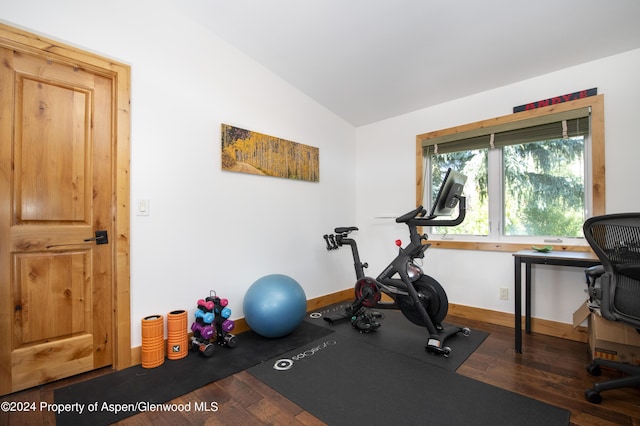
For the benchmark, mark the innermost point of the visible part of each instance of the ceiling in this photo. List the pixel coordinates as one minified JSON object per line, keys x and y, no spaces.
{"x":369,"y":60}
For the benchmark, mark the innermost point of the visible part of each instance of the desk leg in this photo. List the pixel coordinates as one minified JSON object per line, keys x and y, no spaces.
{"x":527,"y":298}
{"x":517,"y":294}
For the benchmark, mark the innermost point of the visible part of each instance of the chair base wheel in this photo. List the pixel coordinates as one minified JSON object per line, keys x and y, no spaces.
{"x":593,"y":396}
{"x":594,"y":370}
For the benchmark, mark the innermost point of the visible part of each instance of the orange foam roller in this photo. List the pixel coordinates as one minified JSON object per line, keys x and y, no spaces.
{"x":152,"y":341}
{"x":177,"y":339}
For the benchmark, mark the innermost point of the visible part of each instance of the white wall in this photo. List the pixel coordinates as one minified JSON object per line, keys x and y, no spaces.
{"x":208,"y":229}
{"x":385,"y":183}
{"x":216,"y":230}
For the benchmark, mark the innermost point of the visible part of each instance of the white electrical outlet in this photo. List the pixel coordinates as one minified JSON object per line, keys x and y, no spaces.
{"x":504,"y":293}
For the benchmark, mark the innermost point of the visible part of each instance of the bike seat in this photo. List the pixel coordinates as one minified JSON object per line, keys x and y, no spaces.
{"x":345,"y":229}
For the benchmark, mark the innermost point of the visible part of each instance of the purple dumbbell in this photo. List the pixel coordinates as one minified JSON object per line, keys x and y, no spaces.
{"x":205,"y":331}
{"x":228,"y":325}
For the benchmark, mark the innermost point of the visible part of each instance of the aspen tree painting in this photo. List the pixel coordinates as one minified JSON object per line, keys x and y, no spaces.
{"x":245,"y":151}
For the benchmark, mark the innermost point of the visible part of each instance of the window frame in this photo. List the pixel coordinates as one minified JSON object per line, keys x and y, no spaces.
{"x":597,"y":178}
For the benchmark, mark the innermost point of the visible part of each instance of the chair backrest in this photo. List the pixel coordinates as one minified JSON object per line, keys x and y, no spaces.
{"x":615,"y":239}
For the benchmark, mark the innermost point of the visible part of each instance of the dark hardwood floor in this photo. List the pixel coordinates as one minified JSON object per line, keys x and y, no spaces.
{"x":550,"y":369}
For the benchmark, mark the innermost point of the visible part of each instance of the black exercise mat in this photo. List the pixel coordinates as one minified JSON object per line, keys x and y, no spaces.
{"x":398,"y":334}
{"x":137,"y":385}
{"x":346,"y":381}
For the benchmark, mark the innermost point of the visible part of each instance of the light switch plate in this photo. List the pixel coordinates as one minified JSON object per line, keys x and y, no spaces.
{"x":142,"y":207}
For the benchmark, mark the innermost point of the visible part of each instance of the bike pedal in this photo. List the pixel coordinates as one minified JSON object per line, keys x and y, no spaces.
{"x":434,"y":343}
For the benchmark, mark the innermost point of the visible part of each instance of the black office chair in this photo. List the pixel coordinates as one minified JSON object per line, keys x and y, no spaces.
{"x":614,"y":287}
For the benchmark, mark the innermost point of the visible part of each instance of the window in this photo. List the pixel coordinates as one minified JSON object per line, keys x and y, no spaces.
{"x":533,"y":177}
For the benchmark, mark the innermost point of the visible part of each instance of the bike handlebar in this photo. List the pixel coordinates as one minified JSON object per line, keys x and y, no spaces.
{"x":411,"y":215}
{"x":416,"y":217}
{"x":413,"y":219}
{"x":432,"y":221}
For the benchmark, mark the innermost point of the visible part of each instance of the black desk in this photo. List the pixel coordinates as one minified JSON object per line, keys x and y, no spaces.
{"x":528,"y":257}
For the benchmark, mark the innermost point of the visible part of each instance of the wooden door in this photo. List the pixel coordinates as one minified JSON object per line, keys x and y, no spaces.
{"x":57,"y":135}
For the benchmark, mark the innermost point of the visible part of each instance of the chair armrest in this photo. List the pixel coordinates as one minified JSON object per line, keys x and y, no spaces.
{"x":595,"y":271}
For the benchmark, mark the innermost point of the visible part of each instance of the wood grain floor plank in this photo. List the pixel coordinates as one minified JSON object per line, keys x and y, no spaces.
{"x":550,"y":369}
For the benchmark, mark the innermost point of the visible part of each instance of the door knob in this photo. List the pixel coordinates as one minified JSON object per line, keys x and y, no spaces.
{"x":100,"y":238}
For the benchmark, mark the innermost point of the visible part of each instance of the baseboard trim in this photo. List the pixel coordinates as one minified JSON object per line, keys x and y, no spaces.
{"x":541,"y":326}
{"x":242,"y":326}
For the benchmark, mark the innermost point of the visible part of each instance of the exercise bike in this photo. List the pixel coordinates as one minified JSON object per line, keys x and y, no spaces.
{"x":419,"y":297}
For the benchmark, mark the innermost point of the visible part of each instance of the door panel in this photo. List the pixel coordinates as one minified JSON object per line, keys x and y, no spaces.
{"x":52,"y":183}
{"x":60,"y":192}
{"x":57,"y":311}
{"x":49,"y":361}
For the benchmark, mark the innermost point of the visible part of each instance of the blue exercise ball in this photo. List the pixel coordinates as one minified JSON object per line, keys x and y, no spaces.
{"x":274,"y":305}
